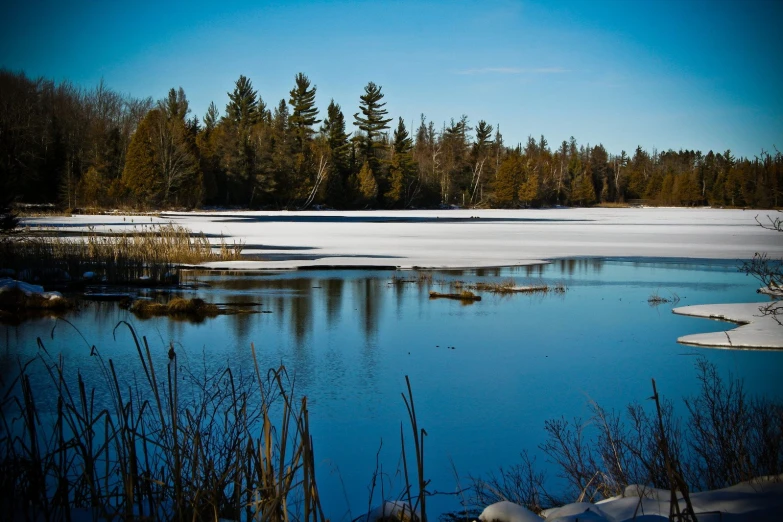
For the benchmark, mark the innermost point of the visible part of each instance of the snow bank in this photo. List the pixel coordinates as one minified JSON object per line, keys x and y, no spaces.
{"x":460,"y":238}
{"x":397,"y":510}
{"x":576,"y":511}
{"x":29,"y":290}
{"x":506,"y":511}
{"x":756,"y":331}
{"x":759,"y":500}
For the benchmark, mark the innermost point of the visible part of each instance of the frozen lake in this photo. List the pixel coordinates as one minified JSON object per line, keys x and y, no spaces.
{"x":485,"y":375}
{"x":462,"y":238}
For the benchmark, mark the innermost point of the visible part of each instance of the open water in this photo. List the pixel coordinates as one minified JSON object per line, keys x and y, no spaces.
{"x":485,"y":375}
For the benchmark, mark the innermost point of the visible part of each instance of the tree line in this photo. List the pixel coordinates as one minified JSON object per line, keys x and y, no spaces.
{"x":99,"y":148}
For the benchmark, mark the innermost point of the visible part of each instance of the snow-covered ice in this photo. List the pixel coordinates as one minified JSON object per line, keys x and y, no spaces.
{"x":461,"y":238}
{"x":756,"y":329}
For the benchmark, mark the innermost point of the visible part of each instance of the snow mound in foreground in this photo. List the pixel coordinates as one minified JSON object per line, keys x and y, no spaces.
{"x":576,"y":511}
{"x":393,"y":510}
{"x":11,"y":285}
{"x":506,"y":511}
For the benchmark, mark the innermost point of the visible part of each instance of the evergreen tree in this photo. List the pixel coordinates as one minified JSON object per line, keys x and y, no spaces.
{"x":211,"y":118}
{"x":372,"y":122}
{"x":244,"y":106}
{"x":507,"y":181}
{"x":529,"y":189}
{"x":402,"y":143}
{"x":402,"y":171}
{"x":333,"y":129}
{"x":140,"y":175}
{"x":304,"y":111}
{"x":176,"y":105}
{"x":483,"y":137}
{"x":456,"y":169}
{"x":368,"y":187}
{"x":583,"y":192}
{"x":282,"y":153}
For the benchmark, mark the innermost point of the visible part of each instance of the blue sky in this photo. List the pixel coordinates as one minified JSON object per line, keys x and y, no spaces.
{"x":695,"y":74}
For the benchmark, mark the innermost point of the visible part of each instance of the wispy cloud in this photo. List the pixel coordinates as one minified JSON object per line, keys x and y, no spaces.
{"x":513,"y":70}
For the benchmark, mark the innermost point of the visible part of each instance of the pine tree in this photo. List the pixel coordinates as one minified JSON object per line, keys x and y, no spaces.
{"x":373,"y":121}
{"x":282,"y":153}
{"x":304,"y":111}
{"x":483,"y":137}
{"x":402,"y":142}
{"x":176,"y":105}
{"x":211,"y":118}
{"x":402,"y":171}
{"x":333,"y":129}
{"x":244,"y":106}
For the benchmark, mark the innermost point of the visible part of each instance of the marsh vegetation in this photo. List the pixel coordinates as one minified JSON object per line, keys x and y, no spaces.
{"x":149,"y":254}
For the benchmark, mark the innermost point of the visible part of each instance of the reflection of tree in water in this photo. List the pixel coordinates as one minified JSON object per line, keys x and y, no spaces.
{"x":104,"y":314}
{"x":301,"y":310}
{"x":488,"y":272}
{"x":241,"y":324}
{"x":583,"y":265}
{"x":534,"y":271}
{"x":367,"y":296}
{"x":334,"y":299}
{"x":399,"y":295}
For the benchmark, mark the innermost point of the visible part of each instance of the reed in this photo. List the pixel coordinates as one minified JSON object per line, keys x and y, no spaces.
{"x":174,"y":445}
{"x":150,"y":254}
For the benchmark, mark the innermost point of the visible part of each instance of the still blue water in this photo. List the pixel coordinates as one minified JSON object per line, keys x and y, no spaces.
{"x":485,"y":375}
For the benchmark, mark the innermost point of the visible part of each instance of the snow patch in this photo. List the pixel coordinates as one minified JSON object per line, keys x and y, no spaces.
{"x":29,"y":290}
{"x":756,"y":329}
{"x":396,"y":509}
{"x":506,"y":511}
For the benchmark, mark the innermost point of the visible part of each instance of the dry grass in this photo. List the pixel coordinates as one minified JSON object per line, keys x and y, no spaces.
{"x":420,"y":278}
{"x":178,"y":306}
{"x":510,"y":287}
{"x":465,"y":295}
{"x":656,"y":299}
{"x":173,"y":444}
{"x":15,"y":299}
{"x":16,"y":306}
{"x":149,"y":254}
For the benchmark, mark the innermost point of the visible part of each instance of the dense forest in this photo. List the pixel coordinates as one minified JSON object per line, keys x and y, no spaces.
{"x":97,"y":148}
